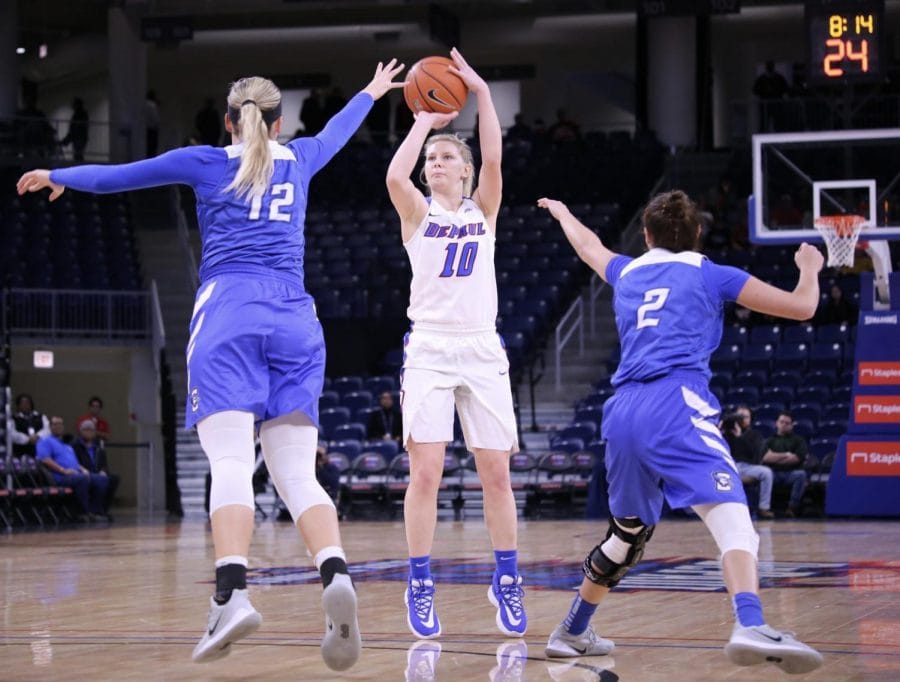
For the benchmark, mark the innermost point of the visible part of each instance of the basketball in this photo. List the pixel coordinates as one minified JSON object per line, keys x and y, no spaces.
{"x":431,"y":86}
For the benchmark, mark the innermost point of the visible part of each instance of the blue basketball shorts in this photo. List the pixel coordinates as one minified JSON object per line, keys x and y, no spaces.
{"x":663,"y":440}
{"x":255,"y":345}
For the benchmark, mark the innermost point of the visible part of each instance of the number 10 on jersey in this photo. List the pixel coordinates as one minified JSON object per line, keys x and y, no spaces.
{"x":466,"y":259}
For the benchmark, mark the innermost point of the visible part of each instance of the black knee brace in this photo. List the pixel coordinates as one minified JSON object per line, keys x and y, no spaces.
{"x":610,"y":572}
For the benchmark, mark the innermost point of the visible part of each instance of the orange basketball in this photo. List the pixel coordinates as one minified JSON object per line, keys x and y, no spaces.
{"x":431,"y":86}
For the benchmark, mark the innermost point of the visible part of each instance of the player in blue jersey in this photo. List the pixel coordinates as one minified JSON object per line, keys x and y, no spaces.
{"x":661,"y":424}
{"x":256,"y":355}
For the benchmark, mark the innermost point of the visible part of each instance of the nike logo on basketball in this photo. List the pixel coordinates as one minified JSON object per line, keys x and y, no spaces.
{"x":432,"y":95}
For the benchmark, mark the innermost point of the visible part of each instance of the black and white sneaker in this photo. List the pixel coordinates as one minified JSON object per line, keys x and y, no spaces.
{"x":564,"y":645}
{"x":227,"y":623}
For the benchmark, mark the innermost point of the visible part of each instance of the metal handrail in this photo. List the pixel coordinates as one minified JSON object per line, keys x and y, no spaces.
{"x":561,"y":336}
{"x":185,"y":239}
{"x":159,"y":326}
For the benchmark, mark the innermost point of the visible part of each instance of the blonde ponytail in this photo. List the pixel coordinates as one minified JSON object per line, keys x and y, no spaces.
{"x":253,"y":105}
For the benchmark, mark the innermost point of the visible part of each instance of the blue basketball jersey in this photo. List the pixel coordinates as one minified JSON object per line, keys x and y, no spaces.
{"x":669,"y":309}
{"x":262,"y":236}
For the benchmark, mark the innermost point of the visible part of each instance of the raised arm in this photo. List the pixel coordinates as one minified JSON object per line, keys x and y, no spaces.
{"x":799,"y":304}
{"x":490,"y":179}
{"x":407,"y":199}
{"x":585,"y":242}
{"x":319,"y":150}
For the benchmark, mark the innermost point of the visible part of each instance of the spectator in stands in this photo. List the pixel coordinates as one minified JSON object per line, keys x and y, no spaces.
{"x":519,"y":130}
{"x":747,"y":456}
{"x":564,"y":129}
{"x":78,"y":130}
{"x":151,"y":123}
{"x":386,"y":423}
{"x":95,"y":407}
{"x":92,"y":457}
{"x":453,"y":354}
{"x":771,"y":88}
{"x":786,"y":453}
{"x":62,"y":462}
{"x":837,"y":308}
{"x":208,"y":124}
{"x":327,"y":474}
{"x":669,"y":307}
{"x":256,"y":354}
{"x":36,"y":135}
{"x":30,"y":427}
{"x":312,"y":113}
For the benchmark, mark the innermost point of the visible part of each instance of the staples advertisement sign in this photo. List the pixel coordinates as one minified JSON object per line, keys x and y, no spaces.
{"x":876,"y":409}
{"x":878,"y":373}
{"x":873,"y":458}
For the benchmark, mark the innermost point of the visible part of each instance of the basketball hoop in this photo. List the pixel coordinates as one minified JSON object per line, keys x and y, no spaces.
{"x":840,"y":233}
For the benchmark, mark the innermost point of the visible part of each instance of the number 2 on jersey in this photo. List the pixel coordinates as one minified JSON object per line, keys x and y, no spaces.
{"x":466,"y":259}
{"x":654,"y":299}
{"x":282,"y":195}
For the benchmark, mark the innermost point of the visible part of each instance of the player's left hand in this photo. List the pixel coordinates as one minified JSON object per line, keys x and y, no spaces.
{"x":36,"y":180}
{"x":383,"y":80}
{"x":473,"y":81}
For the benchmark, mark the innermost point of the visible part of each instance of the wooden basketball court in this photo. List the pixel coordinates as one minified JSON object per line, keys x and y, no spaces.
{"x":129,"y":602}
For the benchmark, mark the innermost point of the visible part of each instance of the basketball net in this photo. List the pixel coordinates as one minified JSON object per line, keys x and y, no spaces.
{"x":840,"y":233}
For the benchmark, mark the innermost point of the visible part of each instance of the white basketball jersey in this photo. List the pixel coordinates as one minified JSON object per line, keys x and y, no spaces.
{"x":454,"y":285}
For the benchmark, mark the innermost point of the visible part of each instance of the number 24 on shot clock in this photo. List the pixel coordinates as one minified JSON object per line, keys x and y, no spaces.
{"x":844,"y":40}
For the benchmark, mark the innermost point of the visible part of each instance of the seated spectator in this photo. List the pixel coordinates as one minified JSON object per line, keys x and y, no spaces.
{"x":519,"y":130}
{"x":837,"y":309}
{"x":29,"y":427}
{"x":62,"y":462}
{"x":565,"y":129}
{"x":746,"y":449}
{"x":786,"y":453}
{"x":95,"y":405}
{"x":327,"y":474}
{"x":92,"y":456}
{"x":386,"y":423}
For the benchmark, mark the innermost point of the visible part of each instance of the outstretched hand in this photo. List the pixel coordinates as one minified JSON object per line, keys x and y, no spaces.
{"x":36,"y":180}
{"x":809,"y":257}
{"x":461,"y":68}
{"x":383,"y":80}
{"x":436,"y":120}
{"x":557,"y":208}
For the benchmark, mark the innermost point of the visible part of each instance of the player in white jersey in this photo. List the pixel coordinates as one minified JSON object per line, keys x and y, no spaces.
{"x":453,"y":354}
{"x":661,"y":426}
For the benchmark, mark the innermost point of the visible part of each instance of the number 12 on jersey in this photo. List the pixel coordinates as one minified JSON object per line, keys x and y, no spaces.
{"x":654,"y":299}
{"x":466,"y":259}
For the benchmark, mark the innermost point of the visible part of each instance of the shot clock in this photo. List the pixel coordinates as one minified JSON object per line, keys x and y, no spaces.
{"x":844,"y":40}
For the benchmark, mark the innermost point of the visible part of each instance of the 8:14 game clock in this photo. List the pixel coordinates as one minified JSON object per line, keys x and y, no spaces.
{"x":844,"y":40}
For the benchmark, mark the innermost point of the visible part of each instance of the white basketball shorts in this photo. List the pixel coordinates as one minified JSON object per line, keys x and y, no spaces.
{"x":469,"y":370}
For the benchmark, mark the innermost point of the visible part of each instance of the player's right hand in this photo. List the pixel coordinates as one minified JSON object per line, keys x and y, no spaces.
{"x":557,"y":208}
{"x":36,"y":180}
{"x":435,"y":120}
{"x":808,"y":257}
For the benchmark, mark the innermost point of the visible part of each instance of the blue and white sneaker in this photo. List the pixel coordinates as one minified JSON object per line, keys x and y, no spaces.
{"x":507,"y":595}
{"x":511,"y":660}
{"x":420,"y":616}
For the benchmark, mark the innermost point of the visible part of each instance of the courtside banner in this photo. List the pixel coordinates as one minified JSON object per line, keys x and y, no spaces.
{"x":878,"y":373}
{"x":876,"y":409}
{"x":873,"y":458}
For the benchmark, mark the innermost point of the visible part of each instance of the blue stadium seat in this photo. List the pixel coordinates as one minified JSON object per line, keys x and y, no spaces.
{"x":569,"y":445}
{"x":820,"y":447}
{"x":836,"y":412}
{"x":807,"y":411}
{"x":826,"y":354}
{"x":387,"y":448}
{"x":791,"y":356}
{"x":805,"y":428}
{"x":786,"y":377}
{"x":764,"y":428}
{"x":757,"y":356}
{"x":363,"y":414}
{"x":766,"y":334}
{"x":348,"y":431}
{"x":350,"y":448}
{"x":833,"y":333}
{"x":594,"y":415}
{"x":767,"y":413}
{"x":832,"y":429}
{"x":585,"y":431}
{"x":378,"y":385}
{"x":822,"y":376}
{"x":800,"y":333}
{"x":344,"y":385}
{"x":812,"y":394}
{"x":328,"y":399}
{"x":720,"y":381}
{"x":841,"y":394}
{"x":746,"y":395}
{"x":356,"y":400}
{"x":777,"y":394}
{"x":331,"y":418}
{"x":734,"y":335}
{"x":725,"y":358}
{"x":753,"y":378}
